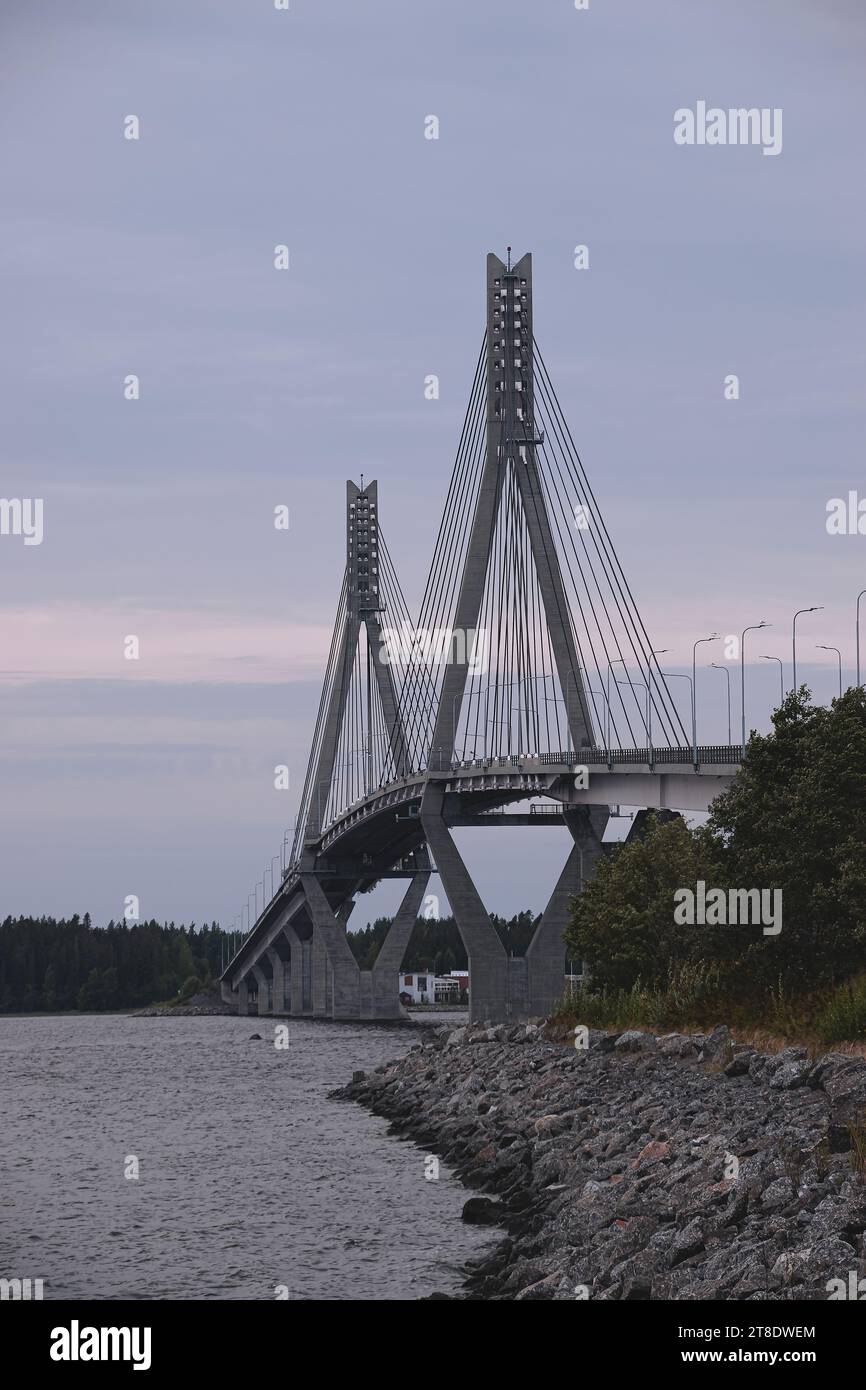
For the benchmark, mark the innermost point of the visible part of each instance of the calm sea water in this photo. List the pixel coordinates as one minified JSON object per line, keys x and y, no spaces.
{"x":250,"y":1178}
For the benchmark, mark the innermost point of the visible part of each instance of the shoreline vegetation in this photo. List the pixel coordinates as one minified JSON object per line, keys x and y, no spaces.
{"x":791,"y":829}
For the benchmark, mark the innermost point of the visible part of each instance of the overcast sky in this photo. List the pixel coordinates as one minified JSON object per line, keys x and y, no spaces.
{"x":258,"y":387}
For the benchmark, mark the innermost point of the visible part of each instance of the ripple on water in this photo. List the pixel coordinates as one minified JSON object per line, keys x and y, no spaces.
{"x":250,"y":1178}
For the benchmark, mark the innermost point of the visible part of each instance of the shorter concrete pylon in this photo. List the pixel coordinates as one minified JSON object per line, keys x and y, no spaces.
{"x":262,"y":982}
{"x":380,"y":998}
{"x":336,"y":976}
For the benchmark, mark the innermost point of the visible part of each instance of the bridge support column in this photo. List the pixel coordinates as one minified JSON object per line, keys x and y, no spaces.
{"x":336,"y":977}
{"x":488,"y":963}
{"x":243,"y":998}
{"x":318,"y":976}
{"x":278,"y":1003}
{"x":379,"y":986}
{"x":296,"y":971}
{"x":545,"y":958}
{"x":226,"y":992}
{"x":262,"y":981}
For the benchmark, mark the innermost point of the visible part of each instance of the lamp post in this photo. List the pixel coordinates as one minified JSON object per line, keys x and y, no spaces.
{"x":620,"y":661}
{"x":638,"y":685}
{"x":859,"y":596}
{"x":821,"y":647}
{"x":817,"y":609}
{"x":781,"y":676}
{"x":713,"y":637}
{"x":659,"y":651}
{"x":679,"y":675}
{"x":716,"y":667}
{"x":753,"y":628}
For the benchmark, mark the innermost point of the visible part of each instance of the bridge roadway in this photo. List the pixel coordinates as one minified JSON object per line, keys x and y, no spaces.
{"x":296,"y":960}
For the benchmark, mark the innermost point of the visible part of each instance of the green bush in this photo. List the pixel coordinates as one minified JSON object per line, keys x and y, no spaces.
{"x":843,"y":1017}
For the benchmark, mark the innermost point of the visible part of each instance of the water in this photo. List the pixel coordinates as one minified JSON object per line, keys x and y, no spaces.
{"x":250,"y":1178}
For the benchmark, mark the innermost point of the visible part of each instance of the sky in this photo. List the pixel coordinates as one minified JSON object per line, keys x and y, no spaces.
{"x":261,"y":387}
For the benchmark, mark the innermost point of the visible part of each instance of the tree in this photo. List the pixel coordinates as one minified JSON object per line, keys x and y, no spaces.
{"x":49,"y":989}
{"x":622,"y":925}
{"x":794,"y":818}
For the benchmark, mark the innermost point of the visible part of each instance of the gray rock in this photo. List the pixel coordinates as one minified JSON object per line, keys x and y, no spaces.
{"x":480,"y":1211}
{"x":740,"y":1063}
{"x":634,"y":1041}
{"x":790,"y":1075}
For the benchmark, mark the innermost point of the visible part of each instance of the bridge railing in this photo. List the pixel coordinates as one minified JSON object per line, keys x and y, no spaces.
{"x":599,"y":757}
{"x":705,"y":753}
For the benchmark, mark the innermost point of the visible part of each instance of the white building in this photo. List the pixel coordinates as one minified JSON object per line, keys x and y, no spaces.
{"x":419,"y":987}
{"x":423,"y":987}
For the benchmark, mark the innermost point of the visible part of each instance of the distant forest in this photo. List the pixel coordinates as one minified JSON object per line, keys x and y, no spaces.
{"x":435,"y":943}
{"x":48,"y":965}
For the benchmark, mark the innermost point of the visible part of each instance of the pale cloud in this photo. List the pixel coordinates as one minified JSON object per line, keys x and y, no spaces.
{"x":78,"y":641}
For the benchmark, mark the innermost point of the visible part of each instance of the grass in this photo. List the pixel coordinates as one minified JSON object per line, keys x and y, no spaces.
{"x":843,"y":1017}
{"x":694,"y":1000}
{"x":857,"y":1130}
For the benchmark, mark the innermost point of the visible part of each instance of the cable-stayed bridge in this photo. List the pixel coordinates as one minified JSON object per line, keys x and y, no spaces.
{"x":528,"y":673}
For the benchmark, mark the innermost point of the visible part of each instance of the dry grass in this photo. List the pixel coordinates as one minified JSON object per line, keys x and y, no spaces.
{"x":857,"y":1130}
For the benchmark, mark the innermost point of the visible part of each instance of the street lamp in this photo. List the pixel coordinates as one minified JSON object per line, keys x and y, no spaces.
{"x":859,"y":596}
{"x":821,"y":647}
{"x":817,"y":609}
{"x":716,"y":667}
{"x":753,"y":628}
{"x":713,"y":637}
{"x":680,"y":675}
{"x":638,"y":685}
{"x":781,"y":676}
{"x":659,"y":651}
{"x":617,"y":661}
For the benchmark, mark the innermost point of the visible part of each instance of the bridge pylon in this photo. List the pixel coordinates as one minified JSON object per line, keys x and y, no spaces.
{"x":528,"y":659}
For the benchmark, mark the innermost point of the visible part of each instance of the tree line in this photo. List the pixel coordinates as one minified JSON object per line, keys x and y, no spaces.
{"x":50,"y":965}
{"x":435,"y":943}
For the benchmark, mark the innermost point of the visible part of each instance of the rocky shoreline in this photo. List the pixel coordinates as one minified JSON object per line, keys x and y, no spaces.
{"x":640,"y":1167}
{"x":197,"y":1006}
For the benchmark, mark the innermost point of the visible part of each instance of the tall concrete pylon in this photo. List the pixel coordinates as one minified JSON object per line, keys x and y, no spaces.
{"x":511,"y":442}
{"x":501,"y":988}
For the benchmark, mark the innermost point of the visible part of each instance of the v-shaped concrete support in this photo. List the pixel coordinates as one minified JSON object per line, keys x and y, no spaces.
{"x":340,"y":989}
{"x":501,"y":989}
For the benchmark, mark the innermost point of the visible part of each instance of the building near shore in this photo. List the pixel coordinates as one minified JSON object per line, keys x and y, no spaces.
{"x":423,"y":987}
